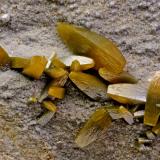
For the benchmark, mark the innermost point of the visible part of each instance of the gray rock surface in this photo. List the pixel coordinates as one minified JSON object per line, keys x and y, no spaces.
{"x":27,"y":27}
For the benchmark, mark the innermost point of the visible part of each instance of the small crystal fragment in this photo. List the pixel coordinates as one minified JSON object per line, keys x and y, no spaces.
{"x":32,"y":100}
{"x":114,"y":112}
{"x":55,"y":72}
{"x":19,"y":62}
{"x":127,"y":116}
{"x":59,"y":82}
{"x":123,"y":77}
{"x":50,"y":60}
{"x":56,"y":92}
{"x":85,"y":62}
{"x":141,"y":147}
{"x":56,"y":62}
{"x":158,"y":105}
{"x":75,"y":66}
{"x":45,"y":118}
{"x":87,"y":66}
{"x":120,"y":112}
{"x":134,"y":108}
{"x":139,"y":114}
{"x":142,"y":140}
{"x":156,"y":129}
{"x":150,"y":135}
{"x":36,"y":67}
{"x":49,"y":105}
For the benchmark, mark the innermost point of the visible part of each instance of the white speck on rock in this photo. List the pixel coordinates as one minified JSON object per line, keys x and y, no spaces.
{"x":4,"y":18}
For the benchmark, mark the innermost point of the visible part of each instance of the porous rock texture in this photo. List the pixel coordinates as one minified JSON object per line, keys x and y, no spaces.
{"x":27,"y":27}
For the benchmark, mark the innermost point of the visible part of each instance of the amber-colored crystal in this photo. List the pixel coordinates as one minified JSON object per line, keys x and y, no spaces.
{"x":57,"y":92}
{"x":152,"y":112}
{"x":84,"y":42}
{"x":19,"y":62}
{"x":4,"y":57}
{"x":95,"y":127}
{"x":90,"y":85}
{"x":123,"y":77}
{"x":127,"y":93}
{"x":36,"y":67}
{"x":49,"y":105}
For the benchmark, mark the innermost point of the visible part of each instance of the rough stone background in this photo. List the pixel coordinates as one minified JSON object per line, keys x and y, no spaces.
{"x":27,"y":27}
